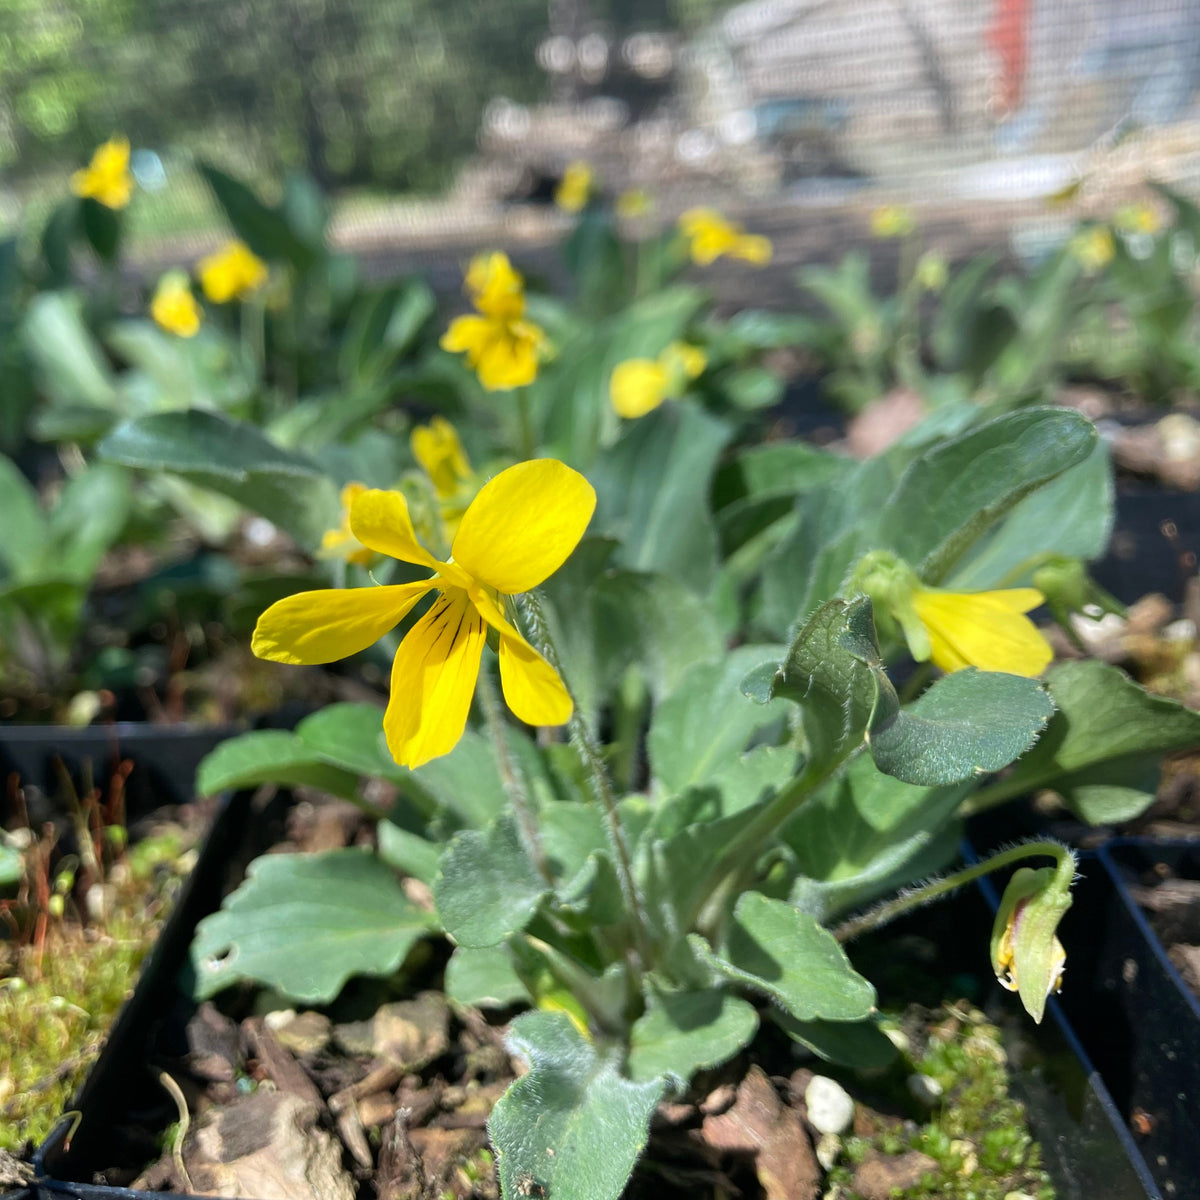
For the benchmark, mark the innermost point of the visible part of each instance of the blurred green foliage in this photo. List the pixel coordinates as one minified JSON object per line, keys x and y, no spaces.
{"x":352,"y":91}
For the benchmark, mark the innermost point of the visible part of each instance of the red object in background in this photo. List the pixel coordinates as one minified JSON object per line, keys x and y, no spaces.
{"x":1008,"y":35}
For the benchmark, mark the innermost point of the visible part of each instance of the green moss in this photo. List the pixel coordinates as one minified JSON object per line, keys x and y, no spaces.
{"x":59,"y":991}
{"x":977,"y":1134}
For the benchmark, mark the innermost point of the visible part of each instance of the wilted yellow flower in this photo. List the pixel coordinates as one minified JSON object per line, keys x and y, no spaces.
{"x":1093,"y":248}
{"x":639,"y":385}
{"x":988,"y":630}
{"x":711,"y":237}
{"x":174,"y":307}
{"x":575,"y":188}
{"x":501,"y":346}
{"x":232,"y":273}
{"x":1138,"y":218}
{"x":106,"y":179}
{"x":893,"y":221}
{"x":634,"y":203}
{"x":520,"y":529}
{"x":341,"y":542}
{"x":1027,"y":956}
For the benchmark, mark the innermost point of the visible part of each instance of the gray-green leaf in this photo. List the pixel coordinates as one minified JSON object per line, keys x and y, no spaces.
{"x":344,"y":908}
{"x":681,"y":1032}
{"x":572,"y":1128}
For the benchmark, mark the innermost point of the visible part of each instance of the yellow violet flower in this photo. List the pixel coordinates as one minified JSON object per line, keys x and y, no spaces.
{"x":174,"y":307}
{"x":232,"y":273}
{"x":932,"y":272}
{"x":712,"y":236}
{"x":519,"y":530}
{"x":437,"y":448}
{"x":501,"y":346}
{"x":575,"y":188}
{"x":1093,"y":248}
{"x":988,"y":630}
{"x":341,"y":542}
{"x":893,"y":221}
{"x":106,"y":179}
{"x":640,"y":385}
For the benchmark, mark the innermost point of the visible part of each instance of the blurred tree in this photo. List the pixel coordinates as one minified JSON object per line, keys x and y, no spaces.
{"x":387,"y":92}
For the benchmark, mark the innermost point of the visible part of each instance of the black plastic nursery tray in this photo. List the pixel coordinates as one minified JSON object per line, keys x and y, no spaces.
{"x":1087,"y":1148}
{"x":1135,"y":1016}
{"x":164,"y":759}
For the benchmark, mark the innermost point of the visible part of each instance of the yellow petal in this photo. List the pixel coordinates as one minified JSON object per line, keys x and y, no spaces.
{"x":524,"y":524}
{"x":507,"y":360}
{"x":637,"y":386}
{"x":466,"y":335}
{"x":381,"y":522}
{"x":984,"y":630}
{"x":532,"y":687}
{"x":322,"y":626}
{"x":689,"y":360}
{"x":753,"y":248}
{"x":433,"y":680}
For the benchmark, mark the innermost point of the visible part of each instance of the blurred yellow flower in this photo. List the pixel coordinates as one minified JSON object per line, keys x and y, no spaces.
{"x":893,"y":221}
{"x":341,"y":542}
{"x":106,"y":179}
{"x":521,"y":528}
{"x":575,"y":188}
{"x":501,"y":346}
{"x":174,"y":307}
{"x":711,"y":236}
{"x":640,"y":385}
{"x":437,"y":449}
{"x":1138,"y":218}
{"x":932,"y":272}
{"x":232,"y":273}
{"x":1093,"y":248}
{"x":988,"y":630}
{"x":634,"y":203}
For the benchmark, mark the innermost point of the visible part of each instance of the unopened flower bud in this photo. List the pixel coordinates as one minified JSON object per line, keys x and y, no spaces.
{"x":1027,"y":957}
{"x":1069,"y":589}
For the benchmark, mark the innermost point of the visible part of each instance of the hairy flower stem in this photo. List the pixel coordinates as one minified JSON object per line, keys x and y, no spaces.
{"x":514,"y":786}
{"x":598,"y":780}
{"x":936,"y":889}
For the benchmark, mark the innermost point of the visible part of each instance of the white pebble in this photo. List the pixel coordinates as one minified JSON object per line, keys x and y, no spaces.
{"x":830,"y":1109}
{"x":925,"y":1089}
{"x":829,"y":1150}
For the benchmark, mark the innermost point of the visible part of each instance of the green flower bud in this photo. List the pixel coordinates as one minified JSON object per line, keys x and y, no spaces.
{"x":892,"y":584}
{"x":1026,"y":955}
{"x":1069,"y":589}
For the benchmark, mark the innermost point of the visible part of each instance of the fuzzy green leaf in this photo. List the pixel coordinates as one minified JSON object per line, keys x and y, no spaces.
{"x":773,"y":947}
{"x":344,"y":908}
{"x":350,"y":736}
{"x":706,"y":722}
{"x":23,"y":546}
{"x":572,"y":1127}
{"x":968,"y":724}
{"x":484,"y":977}
{"x":952,"y":494}
{"x":858,"y":1044}
{"x":487,"y":888}
{"x":270,"y":756}
{"x":681,"y":1032}
{"x":1101,"y":749}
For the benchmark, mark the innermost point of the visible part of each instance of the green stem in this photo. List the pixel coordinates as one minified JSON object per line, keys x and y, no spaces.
{"x":514,"y":786}
{"x":527,"y":444}
{"x":729,"y":873}
{"x":598,"y":780}
{"x":938,"y":888}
